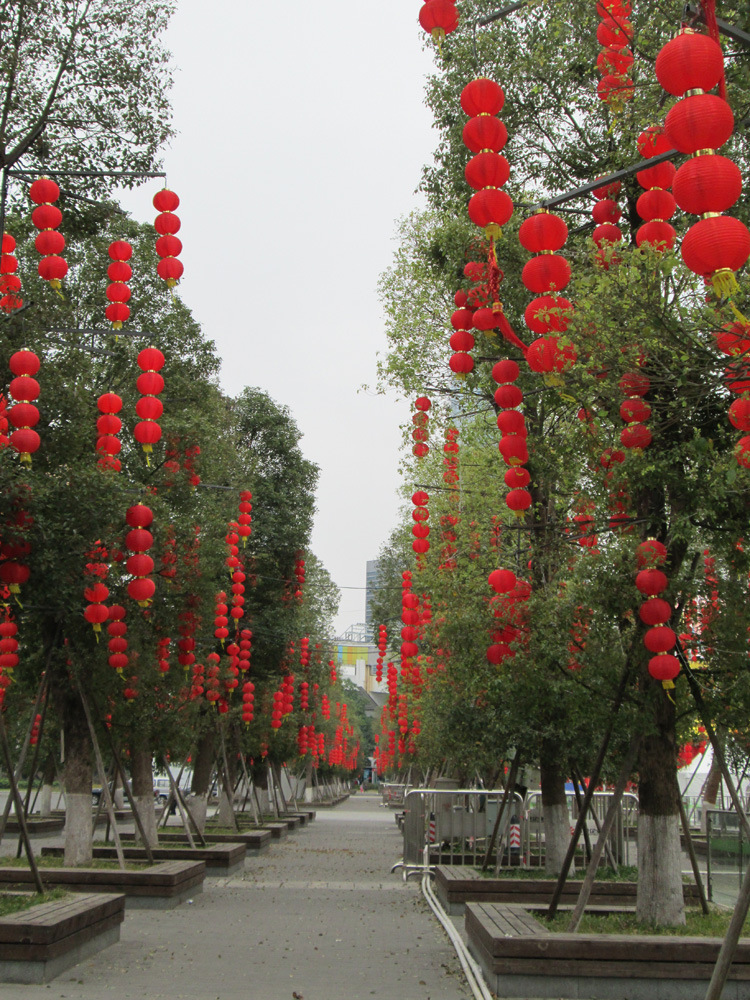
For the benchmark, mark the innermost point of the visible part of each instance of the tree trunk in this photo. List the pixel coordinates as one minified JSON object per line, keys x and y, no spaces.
{"x":554,"y":809}
{"x":48,"y":780}
{"x":142,"y":777}
{"x":197,"y":801}
{"x":78,"y":783}
{"x":660,"y":895}
{"x":309,"y":780}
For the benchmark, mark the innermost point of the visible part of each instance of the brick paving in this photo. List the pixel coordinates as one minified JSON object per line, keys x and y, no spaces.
{"x":319,"y":918}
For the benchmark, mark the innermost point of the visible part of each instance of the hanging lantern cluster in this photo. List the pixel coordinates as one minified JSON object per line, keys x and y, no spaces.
{"x":168,"y":246}
{"x":634,"y":410}
{"x":245,"y":652}
{"x":232,"y":561}
{"x":197,"y":679}
{"x":420,"y":419}
{"x":707,"y":185}
{"x":212,"y":677}
{"x":8,"y":653}
{"x":304,"y":696}
{"x":585,"y":524}
{"x":512,"y":426}
{"x":420,"y":528}
{"x":231,"y":681}
{"x":187,"y":628}
{"x":438,"y":18}
{"x":304,"y":652}
{"x":220,"y":618}
{"x":509,"y":608}
{"x":656,"y":612}
{"x":117,"y":643}
{"x":14,"y":547}
{"x":615,"y":35}
{"x":299,"y":574}
{"x":238,"y":595}
{"x":332,"y":672}
{"x":450,"y":462}
{"x":149,"y":408}
{"x":382,"y":646}
{"x":162,"y":654}
{"x":244,"y":518}
{"x":188,"y":465}
{"x":325,"y":707}
{"x":97,"y":592}
{"x":734,"y":340}
{"x":283,"y":701}
{"x":656,"y":205}
{"x":23,"y":415}
{"x":108,"y":426}
{"x":139,"y":565}
{"x":248,"y":702}
{"x":119,"y":273}
{"x":546,"y":275}
{"x":410,"y":620}
{"x":461,"y":341}
{"x":10,"y":283}
{"x":50,"y":244}
{"x":606,"y":214}
{"x":169,"y":555}
{"x":4,"y":439}
{"x":487,"y":171}
{"x":36,"y":727}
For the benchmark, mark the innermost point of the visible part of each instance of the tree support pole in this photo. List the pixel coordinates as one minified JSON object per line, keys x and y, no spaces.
{"x":509,"y":786}
{"x":224,"y":771}
{"x":579,"y":804}
{"x":22,"y":757}
{"x":165,"y":811}
{"x":593,"y":782}
{"x":181,"y":806}
{"x":731,"y":938}
{"x":604,"y":832}
{"x":18,"y":803}
{"x":691,"y":853}
{"x":578,"y":784}
{"x":102,"y":778}
{"x":123,"y":777}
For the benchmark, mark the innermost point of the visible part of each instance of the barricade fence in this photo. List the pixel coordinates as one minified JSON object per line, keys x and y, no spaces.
{"x":454,"y":827}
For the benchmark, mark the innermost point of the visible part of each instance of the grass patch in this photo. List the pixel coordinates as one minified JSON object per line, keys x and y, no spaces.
{"x":624,"y":873}
{"x":713,"y":924}
{"x":14,"y":902}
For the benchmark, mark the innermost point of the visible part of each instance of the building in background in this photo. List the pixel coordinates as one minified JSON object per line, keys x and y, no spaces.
{"x":372,"y":582}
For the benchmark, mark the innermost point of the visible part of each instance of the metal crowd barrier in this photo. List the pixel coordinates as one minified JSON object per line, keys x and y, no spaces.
{"x":454,"y":825}
{"x":621,"y":841}
{"x":393,"y":793}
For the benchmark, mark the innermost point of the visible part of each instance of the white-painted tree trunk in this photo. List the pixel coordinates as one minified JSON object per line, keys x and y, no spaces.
{"x":556,"y":838}
{"x":197,"y":805}
{"x":79,"y":839}
{"x":660,"y":892}
{"x":147,"y":814}
{"x":45,"y":801}
{"x":226,"y":813}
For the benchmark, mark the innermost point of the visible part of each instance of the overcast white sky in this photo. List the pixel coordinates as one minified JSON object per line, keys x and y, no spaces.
{"x":302,"y":132}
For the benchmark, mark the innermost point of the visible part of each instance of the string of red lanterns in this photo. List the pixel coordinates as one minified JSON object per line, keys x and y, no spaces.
{"x":420,"y":419}
{"x":117,"y":630}
{"x":140,"y":565}
{"x":23,"y":415}
{"x":168,"y":246}
{"x":46,"y":217}
{"x":108,"y":426}
{"x":149,"y":408}
{"x":707,"y":185}
{"x":656,"y":205}
{"x":615,"y":35}
{"x":382,"y":646}
{"x":656,"y":612}
{"x":10,"y":283}
{"x":420,"y":528}
{"x":119,"y":273}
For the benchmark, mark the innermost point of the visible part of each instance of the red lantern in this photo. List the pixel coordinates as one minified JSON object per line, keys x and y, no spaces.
{"x":108,"y":426}
{"x":636,"y":436}
{"x":119,"y":273}
{"x":701,"y":121}
{"x":548,"y":313}
{"x":689,"y":62}
{"x":438,"y":18}
{"x":715,"y":248}
{"x":482,"y":97}
{"x":485,"y":133}
{"x":490,"y":209}
{"x":664,"y":668}
{"x":139,"y":540}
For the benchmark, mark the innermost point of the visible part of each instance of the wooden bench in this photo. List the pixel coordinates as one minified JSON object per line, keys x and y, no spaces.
{"x":456,"y":885}
{"x":255,"y":841}
{"x":522,"y":960}
{"x":39,"y":943}
{"x":159,"y":886}
{"x":220,"y":859}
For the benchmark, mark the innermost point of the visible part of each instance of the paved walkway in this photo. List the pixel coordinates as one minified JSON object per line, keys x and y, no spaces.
{"x":319,"y":917}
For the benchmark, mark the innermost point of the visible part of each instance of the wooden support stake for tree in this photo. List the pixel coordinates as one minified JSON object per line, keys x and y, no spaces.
{"x":509,"y":786}
{"x":715,"y":743}
{"x":165,"y":811}
{"x":249,"y":795}
{"x":108,"y":802}
{"x":578,"y":784}
{"x":593,"y":782}
{"x":37,"y":748}
{"x":731,"y":939}
{"x":22,"y":756}
{"x":15,"y":795}
{"x":123,"y":778}
{"x":606,"y":827}
{"x":277,"y":776}
{"x":272,"y":792}
{"x":579,"y":803}
{"x":181,"y":806}
{"x":224,"y":770}
{"x":690,"y":847}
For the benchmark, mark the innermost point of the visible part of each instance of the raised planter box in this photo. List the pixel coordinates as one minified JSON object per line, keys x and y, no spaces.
{"x":277,"y":830}
{"x":160,"y":886}
{"x":255,"y":841}
{"x":37,"y":826}
{"x":220,"y":859}
{"x":39,"y":943}
{"x":520,"y":958}
{"x":456,"y":885}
